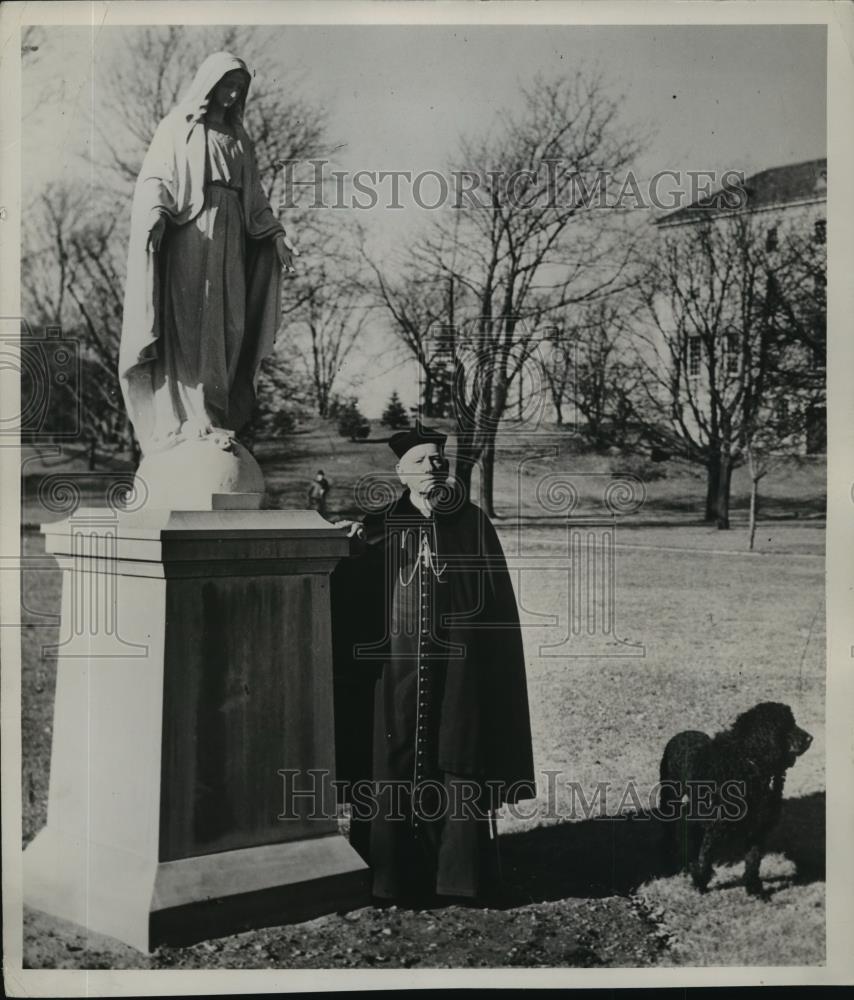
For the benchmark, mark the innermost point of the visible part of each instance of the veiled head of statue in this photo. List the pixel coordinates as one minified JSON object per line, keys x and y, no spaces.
{"x":222,"y":78}
{"x":230,"y":90}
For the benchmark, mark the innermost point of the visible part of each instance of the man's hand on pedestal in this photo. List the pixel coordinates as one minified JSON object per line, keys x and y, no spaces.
{"x":355,"y":529}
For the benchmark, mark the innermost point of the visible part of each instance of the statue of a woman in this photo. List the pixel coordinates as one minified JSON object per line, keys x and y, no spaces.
{"x":202,"y":299}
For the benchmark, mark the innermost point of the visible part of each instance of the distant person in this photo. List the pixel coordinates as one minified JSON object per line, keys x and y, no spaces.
{"x":317,"y":493}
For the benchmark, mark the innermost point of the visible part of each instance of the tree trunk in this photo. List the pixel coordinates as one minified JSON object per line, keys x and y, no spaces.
{"x":467,"y":450}
{"x":487,"y":474}
{"x":427,"y":399}
{"x":713,"y":470}
{"x":756,"y":473}
{"x":495,"y":406}
{"x":722,"y":505}
{"x":464,"y":465}
{"x":754,"y":510}
{"x":462,"y":474}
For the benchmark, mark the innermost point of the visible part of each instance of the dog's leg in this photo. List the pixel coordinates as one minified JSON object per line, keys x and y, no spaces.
{"x":766,"y":821}
{"x":701,"y":869}
{"x":752,"y":861}
{"x":687,"y":837}
{"x":695,"y":832}
{"x":671,"y":825}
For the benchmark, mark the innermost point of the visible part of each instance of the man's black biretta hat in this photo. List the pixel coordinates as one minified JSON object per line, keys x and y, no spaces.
{"x":401,"y":442}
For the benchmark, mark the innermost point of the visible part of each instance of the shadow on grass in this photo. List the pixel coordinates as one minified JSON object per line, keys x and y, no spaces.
{"x":614,"y":856}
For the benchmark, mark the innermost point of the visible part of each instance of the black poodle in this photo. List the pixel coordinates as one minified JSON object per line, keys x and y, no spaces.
{"x":733,"y":781}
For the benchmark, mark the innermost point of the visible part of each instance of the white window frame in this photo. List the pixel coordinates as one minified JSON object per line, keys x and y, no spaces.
{"x":694,"y":358}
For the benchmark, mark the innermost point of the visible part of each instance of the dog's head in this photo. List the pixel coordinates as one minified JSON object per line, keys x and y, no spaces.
{"x":770,"y":731}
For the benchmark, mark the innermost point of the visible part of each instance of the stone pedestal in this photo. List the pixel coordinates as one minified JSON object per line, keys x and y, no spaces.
{"x":194,"y":665}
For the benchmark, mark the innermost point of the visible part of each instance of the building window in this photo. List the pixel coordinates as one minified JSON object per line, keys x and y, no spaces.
{"x":731,"y":353}
{"x":772,"y":294}
{"x":821,"y":230}
{"x":693,"y":357}
{"x":771,"y":239}
{"x":816,"y":430}
{"x":819,"y":344}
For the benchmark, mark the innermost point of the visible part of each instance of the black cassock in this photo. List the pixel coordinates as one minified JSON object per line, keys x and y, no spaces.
{"x":431,"y":698}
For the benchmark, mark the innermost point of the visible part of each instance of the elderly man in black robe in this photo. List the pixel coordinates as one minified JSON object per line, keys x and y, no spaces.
{"x":431,"y":696}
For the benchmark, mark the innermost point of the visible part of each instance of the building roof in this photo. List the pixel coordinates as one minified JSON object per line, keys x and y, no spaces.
{"x":776,"y":187}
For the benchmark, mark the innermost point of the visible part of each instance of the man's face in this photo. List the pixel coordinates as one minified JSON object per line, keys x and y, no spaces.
{"x":423,"y":469}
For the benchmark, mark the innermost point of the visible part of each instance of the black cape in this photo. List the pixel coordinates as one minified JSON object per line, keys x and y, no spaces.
{"x":483,"y":726}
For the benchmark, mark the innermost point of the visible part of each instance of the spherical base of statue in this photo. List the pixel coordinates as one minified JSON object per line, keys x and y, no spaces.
{"x":190,"y":475}
{"x":194,"y":673}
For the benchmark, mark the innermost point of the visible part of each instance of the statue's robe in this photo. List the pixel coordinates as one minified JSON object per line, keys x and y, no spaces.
{"x":430,"y":683}
{"x":200,"y":315}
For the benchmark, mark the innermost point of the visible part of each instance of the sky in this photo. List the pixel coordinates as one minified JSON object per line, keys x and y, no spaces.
{"x":400,"y":97}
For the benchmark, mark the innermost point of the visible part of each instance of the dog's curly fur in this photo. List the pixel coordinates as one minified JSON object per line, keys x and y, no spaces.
{"x":734,"y":780}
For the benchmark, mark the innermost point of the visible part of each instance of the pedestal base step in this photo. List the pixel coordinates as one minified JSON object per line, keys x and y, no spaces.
{"x":219,"y":894}
{"x":182,"y":902}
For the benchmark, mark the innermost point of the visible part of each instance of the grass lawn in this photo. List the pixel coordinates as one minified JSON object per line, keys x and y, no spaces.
{"x":796,"y":489}
{"x":720,"y":631}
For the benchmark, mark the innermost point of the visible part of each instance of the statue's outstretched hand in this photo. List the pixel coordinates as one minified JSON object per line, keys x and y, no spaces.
{"x":155,"y":237}
{"x":286,"y":252}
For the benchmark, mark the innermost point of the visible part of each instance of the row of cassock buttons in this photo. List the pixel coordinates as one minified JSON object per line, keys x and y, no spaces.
{"x":423,"y":683}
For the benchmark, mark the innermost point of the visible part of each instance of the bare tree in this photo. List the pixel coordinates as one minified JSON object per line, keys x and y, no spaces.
{"x":800,"y":288}
{"x":75,"y":240}
{"x":72,"y":277}
{"x":153,"y":67}
{"x":710,"y":372}
{"x":416,"y":306}
{"x":52,"y":218}
{"x":798,"y":309}
{"x":524,"y":242}
{"x":333,"y":316}
{"x":326,"y":307}
{"x":590,"y":367}
{"x":559,"y":367}
{"x":762,"y":455}
{"x":767,"y":446}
